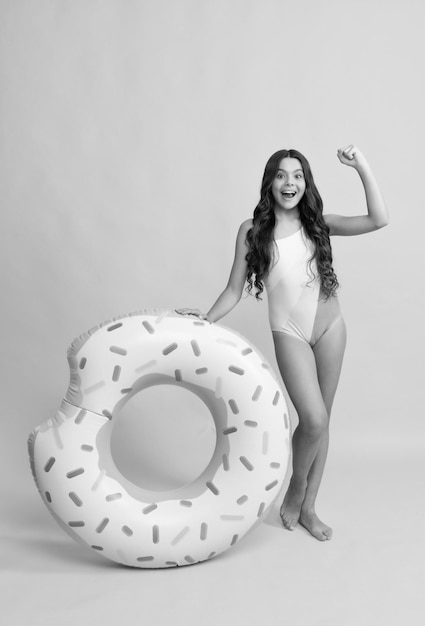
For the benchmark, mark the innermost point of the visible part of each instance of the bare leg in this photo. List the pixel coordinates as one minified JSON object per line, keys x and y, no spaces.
{"x":328,"y":352}
{"x":297,"y":365}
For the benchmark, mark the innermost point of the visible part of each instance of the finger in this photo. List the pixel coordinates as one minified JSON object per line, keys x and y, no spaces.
{"x":197,"y":313}
{"x":349,"y":151}
{"x":344,"y":158}
{"x":186,"y":311}
{"x":342,"y":152}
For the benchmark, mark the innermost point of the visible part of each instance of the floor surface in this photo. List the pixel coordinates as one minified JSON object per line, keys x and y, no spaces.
{"x":371,"y":573}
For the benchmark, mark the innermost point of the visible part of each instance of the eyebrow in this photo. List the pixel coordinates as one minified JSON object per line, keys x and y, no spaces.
{"x":293,"y":171}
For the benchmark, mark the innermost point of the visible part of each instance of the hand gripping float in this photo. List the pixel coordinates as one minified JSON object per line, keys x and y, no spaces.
{"x":95,"y":504}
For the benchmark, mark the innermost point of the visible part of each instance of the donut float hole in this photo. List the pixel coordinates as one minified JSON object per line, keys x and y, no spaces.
{"x":164,"y":438}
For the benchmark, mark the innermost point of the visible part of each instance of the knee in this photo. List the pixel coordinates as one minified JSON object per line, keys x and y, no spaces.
{"x":314,"y":424}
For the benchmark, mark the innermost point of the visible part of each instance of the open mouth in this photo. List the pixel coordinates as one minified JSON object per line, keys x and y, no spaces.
{"x":289,"y":194}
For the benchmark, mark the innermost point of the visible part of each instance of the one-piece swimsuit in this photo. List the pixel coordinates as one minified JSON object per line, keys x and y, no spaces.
{"x":296,"y":305}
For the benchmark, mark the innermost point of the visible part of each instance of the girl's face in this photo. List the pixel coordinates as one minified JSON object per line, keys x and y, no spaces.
{"x":288,"y":186}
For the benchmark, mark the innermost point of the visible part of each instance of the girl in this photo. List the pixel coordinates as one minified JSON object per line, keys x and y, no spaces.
{"x":286,"y":249}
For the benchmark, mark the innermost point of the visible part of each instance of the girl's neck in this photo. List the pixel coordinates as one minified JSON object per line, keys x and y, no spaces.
{"x":287,"y":223}
{"x":287,"y":217}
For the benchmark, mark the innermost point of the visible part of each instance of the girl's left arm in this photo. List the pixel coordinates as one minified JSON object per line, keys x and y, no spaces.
{"x":377,"y":212}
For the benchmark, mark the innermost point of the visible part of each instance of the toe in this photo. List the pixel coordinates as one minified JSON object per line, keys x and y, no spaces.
{"x":317,"y":534}
{"x":287,"y":522}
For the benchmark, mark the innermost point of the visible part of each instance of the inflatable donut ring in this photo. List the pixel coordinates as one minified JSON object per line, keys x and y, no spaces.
{"x":95,"y":504}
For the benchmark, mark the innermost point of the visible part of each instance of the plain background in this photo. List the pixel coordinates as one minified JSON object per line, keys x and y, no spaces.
{"x":134,"y":136}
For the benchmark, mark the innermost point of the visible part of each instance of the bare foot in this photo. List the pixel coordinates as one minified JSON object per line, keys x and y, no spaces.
{"x":291,"y":507}
{"x":315,"y":526}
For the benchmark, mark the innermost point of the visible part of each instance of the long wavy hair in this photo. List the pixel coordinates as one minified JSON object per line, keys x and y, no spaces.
{"x":260,"y":238}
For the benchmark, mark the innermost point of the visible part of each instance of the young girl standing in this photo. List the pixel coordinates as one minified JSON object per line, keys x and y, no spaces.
{"x":286,"y":249}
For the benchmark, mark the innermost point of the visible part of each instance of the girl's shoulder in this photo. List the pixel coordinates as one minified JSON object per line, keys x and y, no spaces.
{"x":241,"y":239}
{"x":245,"y":226}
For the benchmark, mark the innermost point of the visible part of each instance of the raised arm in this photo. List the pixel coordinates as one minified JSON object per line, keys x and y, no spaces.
{"x":377,"y":212}
{"x":232,"y":293}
